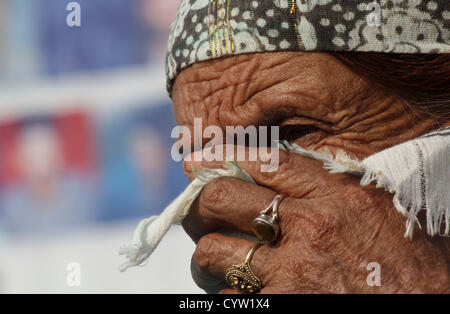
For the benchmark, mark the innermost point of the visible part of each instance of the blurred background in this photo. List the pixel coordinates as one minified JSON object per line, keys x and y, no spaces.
{"x":85,"y":127}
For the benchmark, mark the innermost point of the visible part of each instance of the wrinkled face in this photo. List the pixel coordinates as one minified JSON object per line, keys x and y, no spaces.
{"x":317,"y":101}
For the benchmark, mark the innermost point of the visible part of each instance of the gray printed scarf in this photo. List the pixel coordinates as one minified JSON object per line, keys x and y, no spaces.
{"x":209,"y":29}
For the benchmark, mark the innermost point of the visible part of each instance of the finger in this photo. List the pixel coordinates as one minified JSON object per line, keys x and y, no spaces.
{"x":209,"y":284}
{"x":215,"y":253}
{"x":227,"y":203}
{"x":292,"y":174}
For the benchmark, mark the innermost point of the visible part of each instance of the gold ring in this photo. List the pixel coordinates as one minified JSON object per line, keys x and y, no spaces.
{"x":241,"y":276}
{"x":265,"y":227}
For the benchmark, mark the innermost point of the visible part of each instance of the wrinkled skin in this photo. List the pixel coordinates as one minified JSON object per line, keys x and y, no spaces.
{"x":331,"y":226}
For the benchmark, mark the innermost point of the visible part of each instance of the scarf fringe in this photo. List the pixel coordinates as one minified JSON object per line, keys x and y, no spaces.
{"x":417,"y":172}
{"x":149,"y":232}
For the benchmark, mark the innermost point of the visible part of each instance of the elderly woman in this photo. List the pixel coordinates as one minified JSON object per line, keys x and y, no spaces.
{"x":371,"y":80}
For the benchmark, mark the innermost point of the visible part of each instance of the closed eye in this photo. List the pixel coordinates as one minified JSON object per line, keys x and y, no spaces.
{"x":303,"y":135}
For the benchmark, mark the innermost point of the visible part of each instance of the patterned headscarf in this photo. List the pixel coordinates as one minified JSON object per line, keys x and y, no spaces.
{"x":209,"y":29}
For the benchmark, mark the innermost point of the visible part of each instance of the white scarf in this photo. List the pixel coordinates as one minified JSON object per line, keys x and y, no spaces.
{"x":417,"y":172}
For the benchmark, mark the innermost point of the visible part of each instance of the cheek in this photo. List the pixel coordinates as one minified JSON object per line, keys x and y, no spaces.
{"x":190,"y":102}
{"x":177,"y":111}
{"x":178,"y":107}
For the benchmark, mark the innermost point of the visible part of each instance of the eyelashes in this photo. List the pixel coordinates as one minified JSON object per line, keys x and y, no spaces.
{"x":293,"y":132}
{"x":304,"y":135}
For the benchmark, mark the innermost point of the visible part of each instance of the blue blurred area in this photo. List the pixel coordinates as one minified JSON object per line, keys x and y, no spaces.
{"x":98,"y":166}
{"x":140,"y":176}
{"x":19,"y":52}
{"x":74,"y":205}
{"x":111,"y":35}
{"x":35,"y":39}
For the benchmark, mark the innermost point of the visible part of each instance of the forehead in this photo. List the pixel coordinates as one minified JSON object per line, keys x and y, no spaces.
{"x":258,"y":67}
{"x":211,"y":29}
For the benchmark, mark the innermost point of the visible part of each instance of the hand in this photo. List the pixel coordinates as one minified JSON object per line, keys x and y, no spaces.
{"x":331,"y":229}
